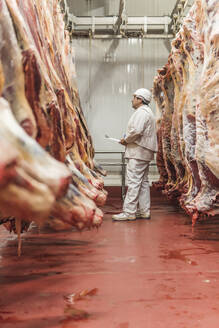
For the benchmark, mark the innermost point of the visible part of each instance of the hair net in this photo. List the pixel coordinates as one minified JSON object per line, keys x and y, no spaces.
{"x":144,"y":94}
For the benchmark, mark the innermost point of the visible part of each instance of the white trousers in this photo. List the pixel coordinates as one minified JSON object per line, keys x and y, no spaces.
{"x":138,"y":193}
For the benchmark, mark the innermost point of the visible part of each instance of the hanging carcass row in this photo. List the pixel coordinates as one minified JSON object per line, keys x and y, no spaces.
{"x":48,"y":173}
{"x":186,"y":91}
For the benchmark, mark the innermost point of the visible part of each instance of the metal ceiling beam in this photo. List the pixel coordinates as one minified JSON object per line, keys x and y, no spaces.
{"x":145,"y":27}
{"x":87,"y":21}
{"x":134,"y":26}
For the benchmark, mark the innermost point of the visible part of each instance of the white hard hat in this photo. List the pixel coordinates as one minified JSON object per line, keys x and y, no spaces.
{"x":144,"y":94}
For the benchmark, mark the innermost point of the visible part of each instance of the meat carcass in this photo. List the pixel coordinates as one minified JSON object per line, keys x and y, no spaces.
{"x":47,"y":67}
{"x":193,"y":66}
{"x":82,"y":183}
{"x":77,"y":210}
{"x":51,"y":102}
{"x":30,"y":180}
{"x":11,"y":63}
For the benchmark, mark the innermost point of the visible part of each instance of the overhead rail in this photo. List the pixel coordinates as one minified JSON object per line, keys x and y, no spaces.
{"x":135,"y":34}
{"x":110,"y":21}
{"x":124,"y":27}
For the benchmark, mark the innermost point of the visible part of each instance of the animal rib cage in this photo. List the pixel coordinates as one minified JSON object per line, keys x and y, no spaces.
{"x":186,"y":91}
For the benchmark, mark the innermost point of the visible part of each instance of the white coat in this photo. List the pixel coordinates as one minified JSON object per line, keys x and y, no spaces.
{"x":141,"y":141}
{"x":141,"y":134}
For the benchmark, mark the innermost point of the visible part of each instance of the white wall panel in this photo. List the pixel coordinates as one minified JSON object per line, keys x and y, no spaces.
{"x":108,"y":72}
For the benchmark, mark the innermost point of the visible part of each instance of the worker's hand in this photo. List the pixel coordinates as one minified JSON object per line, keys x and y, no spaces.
{"x":123,"y":142}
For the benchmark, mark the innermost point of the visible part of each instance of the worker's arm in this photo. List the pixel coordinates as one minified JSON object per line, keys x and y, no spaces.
{"x":137,"y":127}
{"x":123,"y":142}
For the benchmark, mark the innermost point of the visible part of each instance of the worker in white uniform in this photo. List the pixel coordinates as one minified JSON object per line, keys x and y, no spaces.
{"x":141,"y":144}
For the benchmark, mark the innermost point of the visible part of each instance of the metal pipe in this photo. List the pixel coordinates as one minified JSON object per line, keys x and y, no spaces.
{"x":123,"y":175}
{"x":131,"y":20}
{"x":121,"y":18}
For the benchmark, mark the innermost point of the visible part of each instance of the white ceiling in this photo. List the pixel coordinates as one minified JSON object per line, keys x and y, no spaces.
{"x":111,"y":7}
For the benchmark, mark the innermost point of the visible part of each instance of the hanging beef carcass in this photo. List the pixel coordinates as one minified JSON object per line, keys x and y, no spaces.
{"x":11,"y":60}
{"x":31,"y":180}
{"x":192,"y":111}
{"x":44,"y":52}
{"x":52,"y":60}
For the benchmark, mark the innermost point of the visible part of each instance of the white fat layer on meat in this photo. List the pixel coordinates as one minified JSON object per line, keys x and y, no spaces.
{"x":193,"y":138}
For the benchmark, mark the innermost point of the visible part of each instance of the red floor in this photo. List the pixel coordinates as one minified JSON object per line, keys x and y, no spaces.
{"x":142,"y":274}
